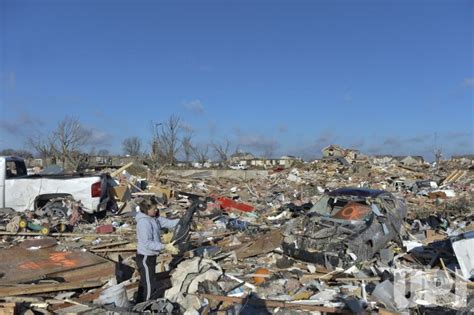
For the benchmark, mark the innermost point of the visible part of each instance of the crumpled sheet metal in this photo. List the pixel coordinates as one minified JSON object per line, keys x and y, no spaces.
{"x":334,"y":242}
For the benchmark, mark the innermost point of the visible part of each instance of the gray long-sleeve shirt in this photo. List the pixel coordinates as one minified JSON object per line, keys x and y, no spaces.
{"x":148,"y":233}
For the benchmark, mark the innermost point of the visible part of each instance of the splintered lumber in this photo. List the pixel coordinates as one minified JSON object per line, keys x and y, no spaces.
{"x":454,"y":176}
{"x":114,"y":250}
{"x":59,"y":234}
{"x":109,"y":245}
{"x":103,"y":272}
{"x":375,"y":279}
{"x":120,"y":170}
{"x":45,"y":288}
{"x":271,"y":303}
{"x":160,"y":171}
{"x":198,"y":236}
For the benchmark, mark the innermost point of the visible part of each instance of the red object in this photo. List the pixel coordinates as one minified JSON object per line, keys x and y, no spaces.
{"x":229,"y":204}
{"x":105,"y":229}
{"x":96,"y":190}
{"x":352,"y":211}
{"x":278,"y":169}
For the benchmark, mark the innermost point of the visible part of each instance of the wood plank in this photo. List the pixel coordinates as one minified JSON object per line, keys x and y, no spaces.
{"x":120,"y":170}
{"x":368,"y":279}
{"x":272,"y":303}
{"x":112,"y":250}
{"x":92,"y":235}
{"x":45,"y":288}
{"x":103,"y":272}
{"x":109,"y":245}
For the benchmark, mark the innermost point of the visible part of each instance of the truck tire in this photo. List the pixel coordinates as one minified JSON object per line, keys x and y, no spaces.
{"x":55,"y":209}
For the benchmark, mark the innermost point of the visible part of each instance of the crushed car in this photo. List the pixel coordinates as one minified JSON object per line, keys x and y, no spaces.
{"x":345,"y":226}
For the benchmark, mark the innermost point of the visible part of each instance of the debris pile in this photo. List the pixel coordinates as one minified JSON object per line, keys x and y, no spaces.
{"x":329,"y":237}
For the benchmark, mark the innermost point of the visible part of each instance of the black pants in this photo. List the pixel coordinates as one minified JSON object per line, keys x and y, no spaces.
{"x":148,"y":286}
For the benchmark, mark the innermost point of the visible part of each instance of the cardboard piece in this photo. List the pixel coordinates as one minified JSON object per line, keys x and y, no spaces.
{"x":120,"y":193}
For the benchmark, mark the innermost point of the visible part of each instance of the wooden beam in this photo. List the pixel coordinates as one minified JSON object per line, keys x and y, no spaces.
{"x":60,"y":234}
{"x":271,"y":303}
{"x":103,"y":272}
{"x":120,"y":170}
{"x":114,"y":250}
{"x":109,"y":245}
{"x":45,"y":288}
{"x":369,"y":279}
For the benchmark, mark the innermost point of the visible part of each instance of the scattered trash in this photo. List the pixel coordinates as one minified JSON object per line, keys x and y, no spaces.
{"x":343,"y":234}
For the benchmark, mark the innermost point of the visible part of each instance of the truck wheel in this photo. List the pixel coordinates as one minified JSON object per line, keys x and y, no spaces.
{"x":55,"y":209}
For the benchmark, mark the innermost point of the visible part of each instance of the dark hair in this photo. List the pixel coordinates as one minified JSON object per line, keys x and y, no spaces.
{"x":145,"y":205}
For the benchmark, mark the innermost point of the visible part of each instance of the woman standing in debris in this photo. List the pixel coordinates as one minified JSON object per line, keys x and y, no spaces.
{"x":149,"y":246}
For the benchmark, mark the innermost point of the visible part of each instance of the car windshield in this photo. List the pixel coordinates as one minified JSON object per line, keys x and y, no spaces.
{"x":340,"y":208}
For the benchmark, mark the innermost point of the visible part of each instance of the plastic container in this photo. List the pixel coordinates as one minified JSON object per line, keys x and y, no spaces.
{"x":116,"y":294}
{"x":385,"y":293}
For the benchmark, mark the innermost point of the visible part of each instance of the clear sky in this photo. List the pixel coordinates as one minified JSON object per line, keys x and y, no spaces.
{"x":381,"y":76}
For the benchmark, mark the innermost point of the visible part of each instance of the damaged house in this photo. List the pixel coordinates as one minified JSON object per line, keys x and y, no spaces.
{"x":335,"y":151}
{"x":410,"y":160}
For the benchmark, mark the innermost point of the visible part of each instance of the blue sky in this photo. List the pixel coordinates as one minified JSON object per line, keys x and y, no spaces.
{"x":381,"y":76}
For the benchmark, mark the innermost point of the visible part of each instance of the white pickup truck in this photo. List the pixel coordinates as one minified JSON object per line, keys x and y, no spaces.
{"x":21,"y":192}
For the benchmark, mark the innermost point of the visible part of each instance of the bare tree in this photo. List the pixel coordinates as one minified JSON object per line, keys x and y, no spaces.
{"x":187,"y":146}
{"x":201,"y":153}
{"x":166,"y":143}
{"x":43,"y":145}
{"x":63,"y":144}
{"x":154,"y":156}
{"x":269,"y":149}
{"x":222,"y":151}
{"x":68,"y":140}
{"x":132,"y":146}
{"x":169,"y":139}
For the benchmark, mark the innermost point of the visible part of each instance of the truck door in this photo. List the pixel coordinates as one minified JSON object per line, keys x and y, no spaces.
{"x":19,"y":191}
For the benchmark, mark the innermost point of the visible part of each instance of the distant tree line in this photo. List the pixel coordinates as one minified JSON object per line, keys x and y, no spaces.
{"x":20,"y":153}
{"x":170,"y":141}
